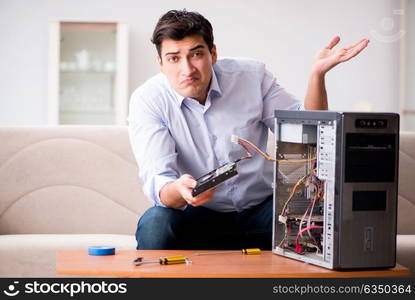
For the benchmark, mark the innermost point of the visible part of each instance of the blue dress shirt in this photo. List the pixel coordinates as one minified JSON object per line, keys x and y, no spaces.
{"x":172,"y":135}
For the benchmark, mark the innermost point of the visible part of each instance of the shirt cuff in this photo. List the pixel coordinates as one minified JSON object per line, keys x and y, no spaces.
{"x":159,"y":182}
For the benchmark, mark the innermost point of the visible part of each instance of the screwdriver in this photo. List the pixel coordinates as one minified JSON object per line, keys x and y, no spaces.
{"x":249,"y":251}
{"x":163,"y":260}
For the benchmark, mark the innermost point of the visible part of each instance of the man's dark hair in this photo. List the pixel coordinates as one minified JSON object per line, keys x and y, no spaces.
{"x":178,"y":24}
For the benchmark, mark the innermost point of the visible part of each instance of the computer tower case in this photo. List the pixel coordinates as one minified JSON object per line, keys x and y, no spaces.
{"x":336,"y":188}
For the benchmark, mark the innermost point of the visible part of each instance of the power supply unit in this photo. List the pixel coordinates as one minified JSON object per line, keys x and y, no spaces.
{"x":336,"y":188}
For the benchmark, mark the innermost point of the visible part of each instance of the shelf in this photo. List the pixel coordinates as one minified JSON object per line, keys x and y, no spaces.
{"x":88,"y":72}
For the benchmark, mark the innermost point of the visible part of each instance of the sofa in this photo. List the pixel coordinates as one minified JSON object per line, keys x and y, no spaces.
{"x":70,"y":187}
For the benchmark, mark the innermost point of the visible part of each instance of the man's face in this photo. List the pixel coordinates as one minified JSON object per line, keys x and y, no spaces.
{"x":187,"y":64}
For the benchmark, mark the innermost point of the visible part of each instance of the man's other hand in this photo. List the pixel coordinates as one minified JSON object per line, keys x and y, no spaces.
{"x":327,"y":58}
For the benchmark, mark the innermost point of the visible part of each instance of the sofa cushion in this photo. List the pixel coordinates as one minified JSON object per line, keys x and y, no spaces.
{"x":406,"y":199}
{"x":69,"y":179}
{"x":405,"y":251}
{"x":34,"y":255}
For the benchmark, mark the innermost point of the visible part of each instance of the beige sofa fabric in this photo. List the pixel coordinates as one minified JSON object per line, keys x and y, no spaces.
{"x":406,"y":201}
{"x":34,"y":255}
{"x":68,"y":180}
{"x":65,"y":187}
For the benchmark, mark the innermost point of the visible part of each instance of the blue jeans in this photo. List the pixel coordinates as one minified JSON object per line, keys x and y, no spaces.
{"x":202,"y":228}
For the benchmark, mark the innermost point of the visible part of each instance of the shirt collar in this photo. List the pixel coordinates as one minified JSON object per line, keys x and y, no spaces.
{"x":214,"y":87}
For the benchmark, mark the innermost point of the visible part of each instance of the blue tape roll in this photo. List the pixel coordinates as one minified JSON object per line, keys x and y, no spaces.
{"x":101,"y":250}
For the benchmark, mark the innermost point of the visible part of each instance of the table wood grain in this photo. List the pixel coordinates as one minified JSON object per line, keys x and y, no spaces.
{"x":232,"y":265}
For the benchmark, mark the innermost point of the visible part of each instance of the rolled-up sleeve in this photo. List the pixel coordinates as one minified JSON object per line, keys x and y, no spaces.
{"x":276,"y":97}
{"x":152,"y":145}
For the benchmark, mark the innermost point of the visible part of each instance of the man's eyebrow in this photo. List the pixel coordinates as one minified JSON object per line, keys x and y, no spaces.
{"x":191,"y":49}
{"x":196,"y":47}
{"x":169,"y":53}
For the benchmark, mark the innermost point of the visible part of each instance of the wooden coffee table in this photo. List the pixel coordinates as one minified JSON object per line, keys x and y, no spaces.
{"x":234,"y":265}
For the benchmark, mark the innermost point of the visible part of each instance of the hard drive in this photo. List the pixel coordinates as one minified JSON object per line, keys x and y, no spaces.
{"x":214,"y":177}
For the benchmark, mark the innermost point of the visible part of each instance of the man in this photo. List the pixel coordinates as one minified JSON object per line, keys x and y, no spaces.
{"x":180,"y":124}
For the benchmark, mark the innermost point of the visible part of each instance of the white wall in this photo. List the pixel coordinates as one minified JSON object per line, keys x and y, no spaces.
{"x":283,"y":34}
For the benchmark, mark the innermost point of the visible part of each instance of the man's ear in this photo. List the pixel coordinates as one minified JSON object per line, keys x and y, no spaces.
{"x":160,"y":62}
{"x":214,"y":55}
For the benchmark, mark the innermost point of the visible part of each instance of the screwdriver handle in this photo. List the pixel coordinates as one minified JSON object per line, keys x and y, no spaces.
{"x":251,"y":251}
{"x":163,"y":260}
{"x":173,"y":260}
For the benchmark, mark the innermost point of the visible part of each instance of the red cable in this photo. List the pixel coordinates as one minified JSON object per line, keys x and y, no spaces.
{"x":298,"y":247}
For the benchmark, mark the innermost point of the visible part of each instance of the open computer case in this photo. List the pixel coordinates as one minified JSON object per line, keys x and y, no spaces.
{"x":335,"y":188}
